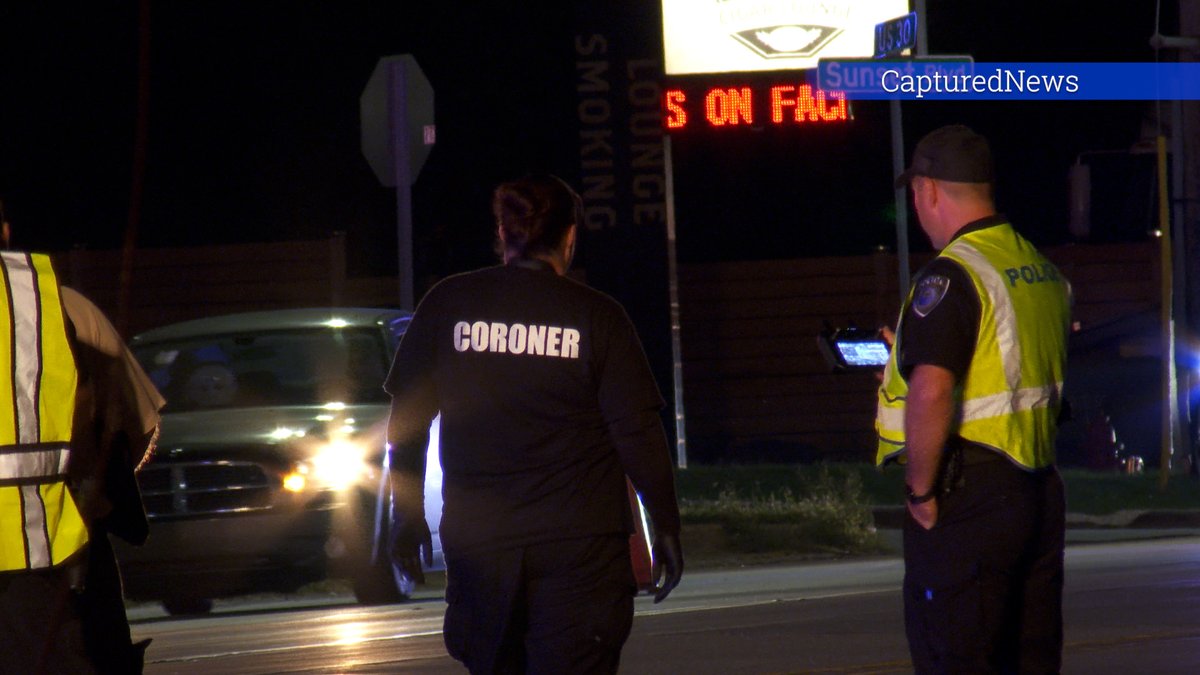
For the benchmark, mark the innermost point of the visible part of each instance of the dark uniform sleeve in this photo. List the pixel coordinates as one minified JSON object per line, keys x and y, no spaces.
{"x":414,"y":404}
{"x":940,"y":325}
{"x":630,"y":401}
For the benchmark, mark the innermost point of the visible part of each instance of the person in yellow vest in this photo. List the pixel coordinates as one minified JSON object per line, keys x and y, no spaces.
{"x":77,"y":416}
{"x":969,"y":404}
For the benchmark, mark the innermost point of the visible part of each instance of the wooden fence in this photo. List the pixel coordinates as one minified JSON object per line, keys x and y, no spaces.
{"x":755,"y":385}
{"x":175,"y":284}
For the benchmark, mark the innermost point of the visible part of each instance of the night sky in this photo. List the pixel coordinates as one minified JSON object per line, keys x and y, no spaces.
{"x":253,"y":128}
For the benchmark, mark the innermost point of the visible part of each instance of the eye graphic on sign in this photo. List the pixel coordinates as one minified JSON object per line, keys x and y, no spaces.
{"x":708,"y":37}
{"x":776,"y":42}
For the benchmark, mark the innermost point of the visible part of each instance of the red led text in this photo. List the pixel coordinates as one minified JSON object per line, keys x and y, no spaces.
{"x":724,"y":107}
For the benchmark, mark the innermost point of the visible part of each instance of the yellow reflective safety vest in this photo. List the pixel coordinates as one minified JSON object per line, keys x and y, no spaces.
{"x":40,"y":525}
{"x":1011,"y":394}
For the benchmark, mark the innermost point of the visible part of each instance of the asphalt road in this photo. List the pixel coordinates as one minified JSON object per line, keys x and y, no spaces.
{"x":1130,"y":607}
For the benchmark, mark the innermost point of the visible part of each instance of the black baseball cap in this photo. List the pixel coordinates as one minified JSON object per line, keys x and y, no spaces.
{"x":954,"y":153}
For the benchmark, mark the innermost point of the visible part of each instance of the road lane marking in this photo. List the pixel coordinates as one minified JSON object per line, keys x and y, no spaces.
{"x":757,"y":603}
{"x":292,"y":648}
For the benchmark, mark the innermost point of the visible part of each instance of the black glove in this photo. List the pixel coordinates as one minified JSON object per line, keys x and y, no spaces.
{"x":408,"y":535}
{"x":668,"y":565}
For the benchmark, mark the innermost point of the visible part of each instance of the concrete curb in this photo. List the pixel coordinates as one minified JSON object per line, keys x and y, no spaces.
{"x":889,"y":517}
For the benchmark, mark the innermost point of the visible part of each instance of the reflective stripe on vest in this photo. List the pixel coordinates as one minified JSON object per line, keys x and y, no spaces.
{"x":32,"y":464}
{"x":1001,"y":406}
{"x":40,"y":525}
{"x":1002,"y":308}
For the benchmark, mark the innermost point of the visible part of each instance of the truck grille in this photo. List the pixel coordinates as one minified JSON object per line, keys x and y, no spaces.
{"x":175,"y":489}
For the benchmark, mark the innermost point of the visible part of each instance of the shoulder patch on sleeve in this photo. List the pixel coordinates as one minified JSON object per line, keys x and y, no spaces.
{"x":930,"y":291}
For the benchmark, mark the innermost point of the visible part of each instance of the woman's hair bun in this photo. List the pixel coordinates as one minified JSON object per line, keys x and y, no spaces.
{"x":534,"y":213}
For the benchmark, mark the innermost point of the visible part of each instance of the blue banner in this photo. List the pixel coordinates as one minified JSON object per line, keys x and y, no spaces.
{"x":952,"y":78}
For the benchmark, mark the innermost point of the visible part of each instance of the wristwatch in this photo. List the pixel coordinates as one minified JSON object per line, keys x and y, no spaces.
{"x":919,"y":499}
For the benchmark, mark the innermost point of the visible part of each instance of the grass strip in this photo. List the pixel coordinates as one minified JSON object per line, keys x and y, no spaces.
{"x":1088,"y":492}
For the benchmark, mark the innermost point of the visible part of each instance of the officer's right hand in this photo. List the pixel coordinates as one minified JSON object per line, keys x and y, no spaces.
{"x":889,"y":336}
{"x":407,"y":539}
{"x":668,"y":565}
{"x":925,"y":514}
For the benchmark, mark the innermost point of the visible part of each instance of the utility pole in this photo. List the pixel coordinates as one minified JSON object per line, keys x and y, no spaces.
{"x":1180,"y":222}
{"x":138,"y":182}
{"x":1188,"y":204}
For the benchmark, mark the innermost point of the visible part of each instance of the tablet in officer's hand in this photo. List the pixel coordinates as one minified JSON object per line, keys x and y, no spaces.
{"x":854,"y":349}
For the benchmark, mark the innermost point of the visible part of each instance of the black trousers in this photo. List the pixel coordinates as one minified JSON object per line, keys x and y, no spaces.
{"x":983,"y":587}
{"x":557,"y":607}
{"x":47,"y":628}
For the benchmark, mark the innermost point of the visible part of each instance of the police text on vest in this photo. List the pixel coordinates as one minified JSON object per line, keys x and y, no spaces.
{"x":1031,"y":274}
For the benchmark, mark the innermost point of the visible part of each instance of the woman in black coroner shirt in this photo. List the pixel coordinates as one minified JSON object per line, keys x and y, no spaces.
{"x":547,"y":403}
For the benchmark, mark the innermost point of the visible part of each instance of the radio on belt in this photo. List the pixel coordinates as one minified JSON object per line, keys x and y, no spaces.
{"x":850,"y":349}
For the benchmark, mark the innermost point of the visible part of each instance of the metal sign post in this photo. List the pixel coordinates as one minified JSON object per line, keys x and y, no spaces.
{"x":901,"y":197}
{"x":396,"y":114}
{"x":673,"y":284}
{"x":908,"y":28}
{"x":891,"y":38}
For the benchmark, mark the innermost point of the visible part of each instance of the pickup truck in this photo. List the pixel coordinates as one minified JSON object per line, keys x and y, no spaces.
{"x":270,"y":470}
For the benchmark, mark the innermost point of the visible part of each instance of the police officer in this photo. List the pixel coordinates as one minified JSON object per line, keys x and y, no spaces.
{"x":969,"y":403}
{"x":547,"y":404}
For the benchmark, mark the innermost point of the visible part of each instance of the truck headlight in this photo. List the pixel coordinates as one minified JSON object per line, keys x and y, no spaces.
{"x":338,"y":464}
{"x":297,"y":480}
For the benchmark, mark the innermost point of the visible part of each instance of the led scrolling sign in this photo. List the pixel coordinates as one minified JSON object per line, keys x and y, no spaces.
{"x":752,"y":105}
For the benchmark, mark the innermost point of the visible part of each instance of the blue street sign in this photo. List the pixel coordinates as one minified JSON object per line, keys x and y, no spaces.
{"x":895,"y":35}
{"x":865,"y":75}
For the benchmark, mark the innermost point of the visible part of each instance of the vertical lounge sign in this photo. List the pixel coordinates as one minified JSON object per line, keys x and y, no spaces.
{"x":618,"y":86}
{"x":618,"y":74}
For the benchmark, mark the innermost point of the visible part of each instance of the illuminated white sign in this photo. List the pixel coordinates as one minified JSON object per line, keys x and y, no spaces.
{"x":721,"y":36}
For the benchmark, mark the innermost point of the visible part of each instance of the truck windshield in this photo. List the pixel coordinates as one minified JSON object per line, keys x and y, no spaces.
{"x":315,"y":366}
